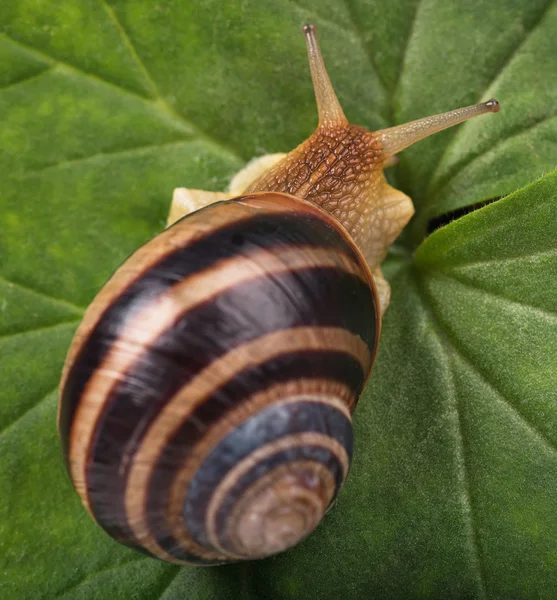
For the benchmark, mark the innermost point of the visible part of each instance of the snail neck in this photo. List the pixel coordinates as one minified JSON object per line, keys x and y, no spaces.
{"x":330,"y":169}
{"x":340,"y":169}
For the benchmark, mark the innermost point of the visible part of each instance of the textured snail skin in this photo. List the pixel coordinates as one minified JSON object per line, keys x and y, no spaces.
{"x":350,"y":163}
{"x":206,"y":399}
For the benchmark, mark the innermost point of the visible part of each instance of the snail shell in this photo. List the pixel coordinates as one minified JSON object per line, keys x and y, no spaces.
{"x":207,"y":397}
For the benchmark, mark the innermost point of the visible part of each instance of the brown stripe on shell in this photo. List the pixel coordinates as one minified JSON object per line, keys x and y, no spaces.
{"x":304,"y":388}
{"x":333,"y":392}
{"x":178,"y":409}
{"x":198,"y":225}
{"x":240,"y":469}
{"x":158,"y":315}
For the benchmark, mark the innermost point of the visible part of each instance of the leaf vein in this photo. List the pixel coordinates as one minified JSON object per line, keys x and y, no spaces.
{"x":508,"y":59}
{"x":170,"y":581}
{"x":319,"y":17}
{"x":544,"y":313}
{"x":59,"y":301}
{"x":534,"y":431}
{"x":492,"y":83}
{"x":26,"y":412}
{"x":95,"y":574}
{"x":447,"y":335}
{"x":159,"y":106}
{"x":160,"y":99}
{"x":403,"y":60}
{"x":61,"y":324}
{"x":116,"y":153}
{"x":468,"y":513}
{"x":360,"y":37}
{"x":128,"y":44}
{"x":510,"y":259}
{"x":27,"y":79}
{"x":438,"y":189}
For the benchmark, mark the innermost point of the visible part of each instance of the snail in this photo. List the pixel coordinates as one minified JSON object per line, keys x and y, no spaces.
{"x":206,"y":399}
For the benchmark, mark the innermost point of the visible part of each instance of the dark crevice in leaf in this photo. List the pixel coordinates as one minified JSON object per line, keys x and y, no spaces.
{"x":453,"y":215}
{"x":116,"y":154}
{"x":10,"y":336}
{"x":72,"y":588}
{"x":26,"y":412}
{"x":27,"y":79}
{"x":446,"y":335}
{"x":417,"y":225}
{"x":159,"y":105}
{"x":472,"y":158}
{"x":463,"y":468}
{"x":60,"y":301}
{"x":498,"y":73}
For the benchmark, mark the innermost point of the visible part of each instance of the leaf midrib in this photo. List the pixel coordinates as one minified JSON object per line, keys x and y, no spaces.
{"x":59,"y":301}
{"x":434,"y":189}
{"x":438,"y":192}
{"x":158,"y":104}
{"x":450,"y":340}
{"x":465,"y":494}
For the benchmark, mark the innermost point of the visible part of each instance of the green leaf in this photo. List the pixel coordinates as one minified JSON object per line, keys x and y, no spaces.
{"x":107,"y":106}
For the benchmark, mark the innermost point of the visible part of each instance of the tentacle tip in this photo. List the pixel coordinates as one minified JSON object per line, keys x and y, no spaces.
{"x":308,"y":29}
{"x":493,"y":105}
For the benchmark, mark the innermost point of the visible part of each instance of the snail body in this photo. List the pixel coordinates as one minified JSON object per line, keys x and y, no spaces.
{"x":206,"y":400}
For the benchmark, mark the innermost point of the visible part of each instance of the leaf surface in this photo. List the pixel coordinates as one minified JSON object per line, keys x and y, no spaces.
{"x":107,"y":106}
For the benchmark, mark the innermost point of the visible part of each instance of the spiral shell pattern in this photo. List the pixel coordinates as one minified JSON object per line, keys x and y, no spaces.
{"x":206,"y":400}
